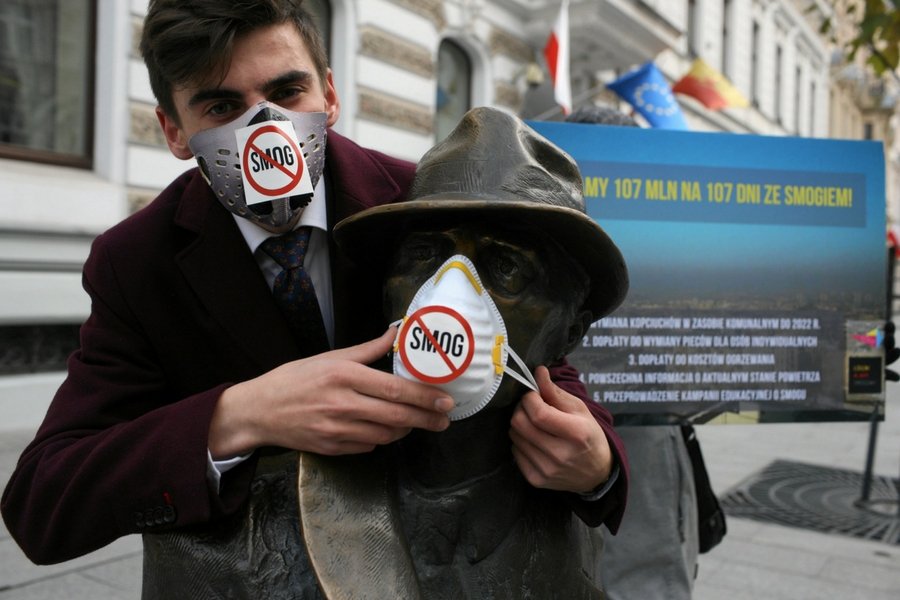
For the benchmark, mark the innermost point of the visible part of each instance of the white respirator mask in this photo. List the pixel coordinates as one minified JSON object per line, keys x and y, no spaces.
{"x":454,"y":338}
{"x":264,"y":165}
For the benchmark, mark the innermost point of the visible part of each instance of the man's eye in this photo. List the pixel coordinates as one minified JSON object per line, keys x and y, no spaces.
{"x":285,"y":94}
{"x":220,"y":108}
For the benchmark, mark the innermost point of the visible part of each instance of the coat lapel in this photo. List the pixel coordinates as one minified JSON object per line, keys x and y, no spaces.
{"x":226,"y":279}
{"x":358,"y":180}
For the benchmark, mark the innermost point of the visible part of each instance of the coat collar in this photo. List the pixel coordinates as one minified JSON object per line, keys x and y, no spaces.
{"x":359,"y":180}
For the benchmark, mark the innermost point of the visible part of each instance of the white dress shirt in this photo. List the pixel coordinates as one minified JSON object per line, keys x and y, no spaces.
{"x":317,"y":261}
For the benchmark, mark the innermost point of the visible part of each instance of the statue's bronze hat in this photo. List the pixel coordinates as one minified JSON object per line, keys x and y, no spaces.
{"x":494,"y":165}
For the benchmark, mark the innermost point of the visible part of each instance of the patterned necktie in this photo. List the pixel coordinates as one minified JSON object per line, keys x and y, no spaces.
{"x":294,"y":291}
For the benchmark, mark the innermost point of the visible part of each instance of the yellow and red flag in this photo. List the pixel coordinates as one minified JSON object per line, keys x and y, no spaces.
{"x":709,"y":87}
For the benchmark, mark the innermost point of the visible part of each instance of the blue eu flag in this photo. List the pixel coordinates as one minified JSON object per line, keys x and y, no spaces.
{"x":646,"y":89}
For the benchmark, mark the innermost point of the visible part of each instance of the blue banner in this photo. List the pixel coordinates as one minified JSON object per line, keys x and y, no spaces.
{"x":758,"y":274}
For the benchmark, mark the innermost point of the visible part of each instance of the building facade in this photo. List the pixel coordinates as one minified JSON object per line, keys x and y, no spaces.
{"x":80,"y":146}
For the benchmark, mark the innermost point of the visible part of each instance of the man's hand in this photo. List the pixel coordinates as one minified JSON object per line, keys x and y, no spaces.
{"x":331,"y":403}
{"x":557,"y":443}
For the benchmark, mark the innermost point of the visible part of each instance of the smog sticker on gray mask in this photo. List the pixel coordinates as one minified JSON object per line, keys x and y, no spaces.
{"x":271,"y":162}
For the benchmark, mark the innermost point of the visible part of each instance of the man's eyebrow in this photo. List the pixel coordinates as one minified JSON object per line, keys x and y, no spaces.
{"x":290,"y":77}
{"x":214,"y":94}
{"x":294,"y":76}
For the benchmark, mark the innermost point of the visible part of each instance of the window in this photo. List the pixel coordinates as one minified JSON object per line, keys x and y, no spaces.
{"x":454,"y":88}
{"x":47,"y":80}
{"x":321,"y":12}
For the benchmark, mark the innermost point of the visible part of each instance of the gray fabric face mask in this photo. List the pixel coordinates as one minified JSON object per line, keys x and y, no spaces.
{"x":272,"y":181}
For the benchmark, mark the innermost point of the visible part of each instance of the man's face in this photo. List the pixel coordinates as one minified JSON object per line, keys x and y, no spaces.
{"x":515,"y":271}
{"x":270,"y":63}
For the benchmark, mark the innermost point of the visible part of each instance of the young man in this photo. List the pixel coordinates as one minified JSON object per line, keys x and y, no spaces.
{"x":187,"y":366}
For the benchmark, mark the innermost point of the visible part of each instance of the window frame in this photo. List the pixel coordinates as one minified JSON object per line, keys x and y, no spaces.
{"x":50,"y":157}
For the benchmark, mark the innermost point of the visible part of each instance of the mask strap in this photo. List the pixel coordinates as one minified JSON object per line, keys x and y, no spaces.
{"x":527,"y":379}
{"x":397,"y":324}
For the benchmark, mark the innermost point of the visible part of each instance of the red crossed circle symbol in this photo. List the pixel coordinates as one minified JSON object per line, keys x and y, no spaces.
{"x":251,"y":145}
{"x":418,"y":319}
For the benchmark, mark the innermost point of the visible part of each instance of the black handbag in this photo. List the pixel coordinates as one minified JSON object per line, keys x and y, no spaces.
{"x":711,"y":517}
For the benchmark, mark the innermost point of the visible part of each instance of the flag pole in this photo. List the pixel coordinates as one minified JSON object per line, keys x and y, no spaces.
{"x":553,"y":111}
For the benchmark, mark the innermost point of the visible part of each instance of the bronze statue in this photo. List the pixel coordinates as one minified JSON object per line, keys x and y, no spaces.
{"x":449,"y":514}
{"x":464,"y":521}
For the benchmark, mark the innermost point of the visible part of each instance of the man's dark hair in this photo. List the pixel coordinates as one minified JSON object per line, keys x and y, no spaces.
{"x":601,"y":115}
{"x":191,"y":41}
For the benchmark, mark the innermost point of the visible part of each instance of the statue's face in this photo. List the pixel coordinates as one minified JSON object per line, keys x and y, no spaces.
{"x":516,"y":272}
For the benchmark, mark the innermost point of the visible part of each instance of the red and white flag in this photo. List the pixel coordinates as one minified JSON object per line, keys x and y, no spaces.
{"x":556,"y":53}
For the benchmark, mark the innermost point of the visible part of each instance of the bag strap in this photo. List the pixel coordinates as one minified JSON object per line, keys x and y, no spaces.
{"x":711,"y":517}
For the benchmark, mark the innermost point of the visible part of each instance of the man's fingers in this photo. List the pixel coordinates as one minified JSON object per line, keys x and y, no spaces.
{"x":355,"y":392}
{"x":528,"y":469}
{"x":538,"y":466}
{"x":367,"y":352}
{"x":391,"y":388}
{"x":554,"y":395}
{"x":386,"y":386}
{"x":534,"y":442}
{"x":530,"y":447}
{"x":355,"y":437}
{"x":544,"y":416}
{"x":402,"y":414}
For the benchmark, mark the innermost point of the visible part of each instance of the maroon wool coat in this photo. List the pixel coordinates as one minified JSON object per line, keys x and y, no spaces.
{"x":179,"y":311}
